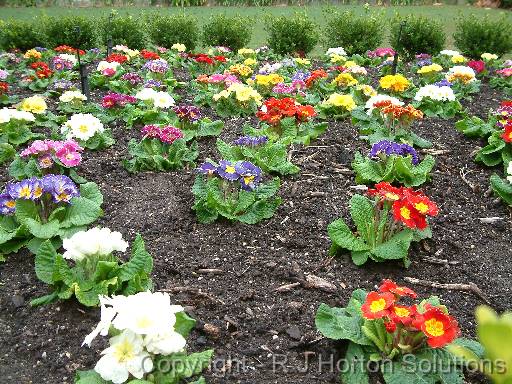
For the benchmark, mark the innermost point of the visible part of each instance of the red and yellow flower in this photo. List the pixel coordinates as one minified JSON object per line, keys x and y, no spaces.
{"x":377,"y":305}
{"x":507,"y":134}
{"x":390,"y":286}
{"x":439,"y":328}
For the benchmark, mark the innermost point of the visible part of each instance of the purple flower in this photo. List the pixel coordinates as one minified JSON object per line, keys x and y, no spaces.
{"x":157,"y":66}
{"x":189,"y":113}
{"x":95,"y":51}
{"x":7,"y":204}
{"x":45,"y":161}
{"x":21,"y":190}
{"x":152,"y":84}
{"x":423,"y":56}
{"x":443,"y":83}
{"x":60,"y":64}
{"x":61,"y":85}
{"x":250,"y":141}
{"x":300,"y":76}
{"x":250,"y":175}
{"x":207,"y":168}
{"x":424,"y":62}
{"x":60,"y":187}
{"x":133,"y":78}
{"x":227,"y":170}
{"x":389,"y":148}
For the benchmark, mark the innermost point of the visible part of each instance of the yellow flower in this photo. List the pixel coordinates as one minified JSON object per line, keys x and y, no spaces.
{"x":335,"y":58}
{"x":250,"y":62}
{"x":302,"y":61}
{"x":34,"y":104}
{"x":430,"y":68}
{"x":32,"y":54}
{"x":344,"y":101}
{"x":179,"y":47}
{"x":268,"y":80}
{"x":221,"y":95}
{"x":345,"y":80}
{"x":350,"y":64}
{"x":246,"y":52}
{"x":367,"y":90}
{"x":457,"y":59}
{"x":489,"y":56}
{"x":240,"y":69}
{"x":396,"y":83}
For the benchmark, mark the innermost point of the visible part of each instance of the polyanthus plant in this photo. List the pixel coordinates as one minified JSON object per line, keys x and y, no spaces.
{"x":503,"y":187}
{"x":387,"y":222}
{"x":396,"y":85}
{"x":337,"y":105}
{"x":392,"y":162}
{"x":270,"y":156}
{"x":437,"y":100}
{"x":89,"y":268}
{"x":499,"y":147}
{"x":502,"y":79}
{"x":475,"y":127}
{"x":14,"y":131}
{"x":105,"y":73}
{"x":234,"y":190}
{"x":194,"y":125}
{"x":161,"y":149}
{"x":237,"y":100}
{"x":88,"y":130}
{"x":288,"y":121}
{"x":48,"y":208}
{"x":429,"y":72}
{"x":147,"y":343}
{"x":383,"y":328}
{"x":464,"y":81}
{"x":72,"y":101}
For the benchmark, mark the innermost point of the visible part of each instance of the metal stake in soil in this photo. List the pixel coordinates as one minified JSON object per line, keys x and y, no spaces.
{"x":395,"y":58}
{"x":84,"y":82}
{"x":109,"y":39}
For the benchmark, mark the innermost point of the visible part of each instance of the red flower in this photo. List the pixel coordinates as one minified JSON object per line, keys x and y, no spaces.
{"x":377,"y":305}
{"x":304,"y":112}
{"x":506,"y":103}
{"x":404,"y":211}
{"x":118,"y":58}
{"x":390,"y":326}
{"x":220,"y":59}
{"x":316,"y":74}
{"x":386,"y":191}
{"x":421,"y":202}
{"x":4,"y":87}
{"x":402,"y":314}
{"x":68,"y":49}
{"x":390,"y":286}
{"x":149,"y":55}
{"x":477,"y":65}
{"x":507,"y":134}
{"x":440,"y":328}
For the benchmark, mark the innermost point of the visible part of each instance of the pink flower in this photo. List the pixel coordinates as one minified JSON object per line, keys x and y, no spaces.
{"x":216,"y":78}
{"x":506,"y":72}
{"x":108,"y":72}
{"x":477,"y":65}
{"x":68,"y":158}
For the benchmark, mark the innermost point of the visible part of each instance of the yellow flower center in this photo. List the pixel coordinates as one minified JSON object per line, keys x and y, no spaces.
{"x":405,"y":212}
{"x":144,"y":322}
{"x":230,"y":169}
{"x":421,"y":207}
{"x":248,"y":179}
{"x":38,"y":192}
{"x":377,"y":305}
{"x":83,"y":128}
{"x":62,"y":196}
{"x":402,"y":312}
{"x":124,"y":351}
{"x":434,"y":327}
{"x":10,"y":204}
{"x":392,"y":196}
{"x":25,"y":192}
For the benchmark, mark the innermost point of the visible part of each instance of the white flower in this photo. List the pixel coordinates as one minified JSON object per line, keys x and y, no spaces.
{"x":358,"y":70}
{"x":435,"y":93}
{"x":107,"y":315}
{"x":82,"y":126}
{"x":489,"y":56}
{"x":69,"y":96}
{"x":163,"y":100}
{"x":8,"y":114}
{"x":125,"y":356}
{"x":449,"y":52}
{"x":68,"y":57}
{"x":509,"y":171}
{"x":95,"y":241}
{"x":146,"y":94}
{"x":336,"y":51}
{"x":165,"y":343}
{"x":379,"y":98}
{"x":102,"y":65}
{"x":179,"y":47}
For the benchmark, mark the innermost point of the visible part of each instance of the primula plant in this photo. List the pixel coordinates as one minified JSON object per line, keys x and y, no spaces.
{"x":48,"y":208}
{"x":437,"y":100}
{"x":337,"y":105}
{"x":234,"y":190}
{"x":237,"y":100}
{"x":14,"y":131}
{"x":147,"y":343}
{"x":503,"y":187}
{"x":88,"y":131}
{"x":389,"y":161}
{"x":193,"y":125}
{"x":271,"y":157}
{"x":387,"y":222}
{"x":96,"y":271}
{"x":161,"y":149}
{"x":383,"y":328}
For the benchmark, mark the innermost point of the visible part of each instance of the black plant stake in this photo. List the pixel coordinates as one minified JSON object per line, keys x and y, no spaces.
{"x":84,"y":82}
{"x":395,"y":58}
{"x":109,"y":39}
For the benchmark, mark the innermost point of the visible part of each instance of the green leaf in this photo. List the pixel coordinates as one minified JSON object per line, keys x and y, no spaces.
{"x":337,"y":323}
{"x":502,"y":187}
{"x":355,"y":373}
{"x":91,"y":192}
{"x":26,"y":209}
{"x":42,"y":231}
{"x":342,"y":236}
{"x":7,"y":152}
{"x":184,"y":366}
{"x":397,"y":247}
{"x":140,"y":261}
{"x":89,"y":377}
{"x":184,"y":324}
{"x":362,"y":212}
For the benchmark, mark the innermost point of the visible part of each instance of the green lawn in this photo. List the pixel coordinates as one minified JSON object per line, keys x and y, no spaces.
{"x":447,"y":14}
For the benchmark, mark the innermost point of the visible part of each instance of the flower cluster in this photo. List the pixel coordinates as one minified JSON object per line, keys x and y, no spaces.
{"x":64,"y":61}
{"x":381,"y":52}
{"x":60,"y":188}
{"x":268,"y":80}
{"x":273,"y":110}
{"x":187,"y":113}
{"x":345,"y":80}
{"x":404,"y":115}
{"x":68,"y":49}
{"x":94,"y":242}
{"x":427,"y":69}
{"x":504,"y":114}
{"x":203,"y":58}
{"x":60,"y":85}
{"x":145,"y":323}
{"x":72,"y":97}
{"x":157,"y":66}
{"x":409,"y":207}
{"x":314,"y":76}
{"x":435,"y":93}
{"x":133,"y":78}
{"x":243,"y":93}
{"x":343,"y":101}
{"x":117,"y":58}
{"x":113,"y":100}
{"x":411,"y":325}
{"x":248,"y":174}
{"x":477,"y":65}
{"x":167,"y":134}
{"x":66,"y":151}
{"x":159,"y":99}
{"x":388,"y":148}
{"x":378,"y":100}
{"x":83,"y":126}
{"x":218,"y":78}
{"x":9,"y":114}
{"x":461,"y":73}
{"x":35,"y":104}
{"x":250,"y":141}
{"x":4,"y":88}
{"x":149,"y":55}
{"x":394,"y":83}
{"x":108,"y":68}
{"x":240,"y":70}
{"x":295,"y":87}
{"x":42,"y":69}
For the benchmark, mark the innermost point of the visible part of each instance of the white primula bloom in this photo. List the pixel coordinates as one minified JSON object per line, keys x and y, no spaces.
{"x":179,"y":47}
{"x":489,"y":56}
{"x":380,"y":98}
{"x":435,"y":93}
{"x":8,"y":114}
{"x":68,"y":57}
{"x":125,"y":356}
{"x":163,"y":100}
{"x":461,"y":70}
{"x":165,"y":343}
{"x":102,"y":65}
{"x":69,"y":96}
{"x":449,"y":52}
{"x":509,"y":171}
{"x":336,"y":51}
{"x":95,"y":241}
{"x":146,"y":94}
{"x":82,"y":126}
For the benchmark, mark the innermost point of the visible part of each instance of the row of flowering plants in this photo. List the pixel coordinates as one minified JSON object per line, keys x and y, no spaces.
{"x":390,"y":332}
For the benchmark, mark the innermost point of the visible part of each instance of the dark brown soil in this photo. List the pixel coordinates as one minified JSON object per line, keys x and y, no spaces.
{"x":254,"y":322}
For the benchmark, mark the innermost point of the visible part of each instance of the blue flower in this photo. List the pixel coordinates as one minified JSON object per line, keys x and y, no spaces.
{"x":21,"y":190}
{"x":60,"y":187}
{"x":207,"y":168}
{"x":250,"y":175}
{"x":227,"y":170}
{"x":443,"y":83}
{"x":251,"y":141}
{"x":389,"y":148}
{"x":7,"y":204}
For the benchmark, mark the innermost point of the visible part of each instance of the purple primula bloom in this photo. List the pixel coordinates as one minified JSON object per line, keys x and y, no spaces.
{"x":95,"y":51}
{"x":250,"y":141}
{"x":133,"y":78}
{"x":60,"y":64}
{"x":3,"y":74}
{"x":300,"y":76}
{"x":423,"y":56}
{"x":60,"y":187}
{"x":21,"y":190}
{"x":157,"y":66}
{"x":40,"y":49}
{"x":423,"y":62}
{"x":45,"y":161}
{"x":389,"y":148}
{"x":189,"y":113}
{"x":250,"y":175}
{"x":152,"y":84}
{"x":207,"y":168}
{"x":7,"y":204}
{"x":227,"y":170}
{"x":61,"y":85}
{"x":443,"y":83}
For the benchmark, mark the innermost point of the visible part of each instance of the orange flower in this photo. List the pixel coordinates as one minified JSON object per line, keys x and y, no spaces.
{"x":390,"y":286}
{"x":507,"y":134}
{"x":202,"y":79}
{"x":377,"y":305}
{"x":440,"y":328}
{"x":386,"y":191}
